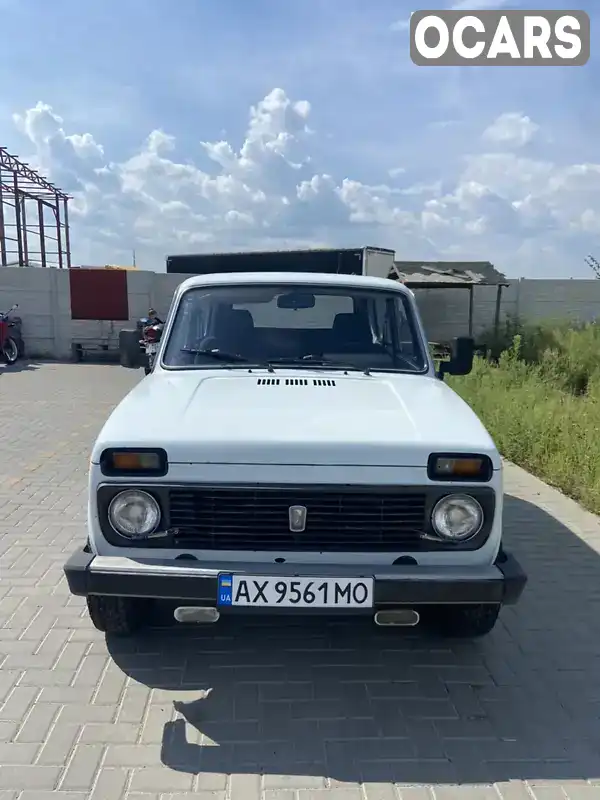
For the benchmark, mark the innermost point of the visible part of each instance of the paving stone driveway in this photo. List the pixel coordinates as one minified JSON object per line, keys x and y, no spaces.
{"x":320,"y":711}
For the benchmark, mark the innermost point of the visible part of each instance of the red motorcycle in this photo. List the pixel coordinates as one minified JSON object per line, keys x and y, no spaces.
{"x":9,"y":349}
{"x":152,"y":328}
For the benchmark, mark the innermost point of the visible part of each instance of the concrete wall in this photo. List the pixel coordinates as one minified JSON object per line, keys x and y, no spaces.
{"x":44,"y":305}
{"x":445,"y":312}
{"x":44,"y":302}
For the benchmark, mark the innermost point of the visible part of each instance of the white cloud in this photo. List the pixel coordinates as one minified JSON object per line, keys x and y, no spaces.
{"x":400,"y":25}
{"x":511,"y":129}
{"x":590,"y":221}
{"x":44,"y":129}
{"x":267,"y":193}
{"x":373,"y":204}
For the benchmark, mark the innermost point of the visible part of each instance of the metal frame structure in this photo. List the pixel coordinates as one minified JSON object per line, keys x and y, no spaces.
{"x":413,"y":281}
{"x":34,"y":217}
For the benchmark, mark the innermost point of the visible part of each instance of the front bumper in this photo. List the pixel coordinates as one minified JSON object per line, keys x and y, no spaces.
{"x":196,"y":582}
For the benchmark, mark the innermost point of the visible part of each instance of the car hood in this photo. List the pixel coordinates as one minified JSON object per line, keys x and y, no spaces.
{"x":295,"y":418}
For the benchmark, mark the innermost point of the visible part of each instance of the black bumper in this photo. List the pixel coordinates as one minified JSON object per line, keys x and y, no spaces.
{"x":195,"y":582}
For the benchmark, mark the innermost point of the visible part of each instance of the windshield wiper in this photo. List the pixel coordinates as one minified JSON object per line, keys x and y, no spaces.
{"x":220,"y":355}
{"x":318,"y":361}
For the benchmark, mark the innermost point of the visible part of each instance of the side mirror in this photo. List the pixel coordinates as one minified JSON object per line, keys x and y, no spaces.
{"x":461,"y":361}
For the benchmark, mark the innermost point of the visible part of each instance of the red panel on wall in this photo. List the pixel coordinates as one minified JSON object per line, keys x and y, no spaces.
{"x":99,"y":294}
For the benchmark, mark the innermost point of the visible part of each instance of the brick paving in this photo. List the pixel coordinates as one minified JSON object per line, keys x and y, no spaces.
{"x":282,"y":710}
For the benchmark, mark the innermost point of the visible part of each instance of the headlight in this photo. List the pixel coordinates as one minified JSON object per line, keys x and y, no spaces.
{"x":457,"y":517}
{"x":134,"y":514}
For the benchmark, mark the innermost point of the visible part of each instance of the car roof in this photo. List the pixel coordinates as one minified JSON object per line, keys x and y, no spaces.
{"x":311,"y":278}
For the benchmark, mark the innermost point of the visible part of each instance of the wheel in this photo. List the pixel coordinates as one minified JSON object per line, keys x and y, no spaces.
{"x":468,"y":621}
{"x":10,"y":351}
{"x":118,"y":615}
{"x":20,"y":345}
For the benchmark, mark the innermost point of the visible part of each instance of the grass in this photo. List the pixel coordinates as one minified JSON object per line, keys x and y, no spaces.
{"x":538,"y":394}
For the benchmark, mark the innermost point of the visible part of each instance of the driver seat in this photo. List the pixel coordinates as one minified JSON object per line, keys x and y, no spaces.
{"x":351,"y":333}
{"x":233,"y":330}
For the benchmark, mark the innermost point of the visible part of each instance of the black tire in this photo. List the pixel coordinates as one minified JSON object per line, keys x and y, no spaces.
{"x":121,"y":616}
{"x":464,"y":622}
{"x":10,"y":351}
{"x":20,"y":346}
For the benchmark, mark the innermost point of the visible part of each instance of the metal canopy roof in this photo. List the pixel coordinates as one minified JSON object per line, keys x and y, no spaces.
{"x":447,"y":274}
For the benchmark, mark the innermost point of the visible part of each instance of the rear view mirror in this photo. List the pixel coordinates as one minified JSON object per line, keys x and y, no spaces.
{"x":461,"y":360}
{"x":296,"y":300}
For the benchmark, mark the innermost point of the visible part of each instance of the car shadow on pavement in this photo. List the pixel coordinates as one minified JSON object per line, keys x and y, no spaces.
{"x":353,"y":702}
{"x":19,"y":366}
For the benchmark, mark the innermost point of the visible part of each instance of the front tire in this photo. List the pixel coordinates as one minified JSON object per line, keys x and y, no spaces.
{"x":10,"y":351}
{"x":464,"y":622}
{"x":122,"y":616}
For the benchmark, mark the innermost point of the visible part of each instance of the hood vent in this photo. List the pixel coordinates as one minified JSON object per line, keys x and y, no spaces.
{"x":323,"y":382}
{"x":295,"y":382}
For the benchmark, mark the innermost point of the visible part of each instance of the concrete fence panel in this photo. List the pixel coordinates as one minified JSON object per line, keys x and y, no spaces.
{"x":44,"y":302}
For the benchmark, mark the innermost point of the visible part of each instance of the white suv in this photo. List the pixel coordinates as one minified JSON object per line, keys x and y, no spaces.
{"x":293,"y":448}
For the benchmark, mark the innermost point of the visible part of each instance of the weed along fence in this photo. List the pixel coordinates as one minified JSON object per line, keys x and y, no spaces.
{"x":541,"y":404}
{"x":88,"y":307}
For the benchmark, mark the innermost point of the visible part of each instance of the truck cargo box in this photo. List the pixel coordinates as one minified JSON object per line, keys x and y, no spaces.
{"x":345,"y":261}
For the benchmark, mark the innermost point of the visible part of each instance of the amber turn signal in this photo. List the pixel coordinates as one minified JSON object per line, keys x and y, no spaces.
{"x":134,"y":461}
{"x":141,"y":461}
{"x":453,"y":467}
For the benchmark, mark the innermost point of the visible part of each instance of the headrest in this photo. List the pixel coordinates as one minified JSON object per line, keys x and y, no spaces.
{"x":242,"y":317}
{"x":351,"y":326}
{"x":230,"y":322}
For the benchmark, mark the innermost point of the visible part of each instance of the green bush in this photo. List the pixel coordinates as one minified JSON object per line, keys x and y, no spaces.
{"x":540,"y":400}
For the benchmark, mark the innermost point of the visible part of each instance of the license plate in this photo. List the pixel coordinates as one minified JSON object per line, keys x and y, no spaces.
{"x":151,"y":349}
{"x":266,"y":592}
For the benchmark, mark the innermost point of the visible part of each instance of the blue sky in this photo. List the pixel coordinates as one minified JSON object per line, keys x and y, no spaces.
{"x":349,"y":143}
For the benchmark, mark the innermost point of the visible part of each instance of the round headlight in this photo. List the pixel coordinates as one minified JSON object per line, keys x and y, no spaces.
{"x":134,"y":513}
{"x":457,"y":517}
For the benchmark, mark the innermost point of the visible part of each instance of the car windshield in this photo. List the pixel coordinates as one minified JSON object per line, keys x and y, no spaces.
{"x":295,"y":325}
